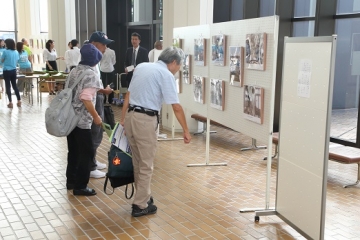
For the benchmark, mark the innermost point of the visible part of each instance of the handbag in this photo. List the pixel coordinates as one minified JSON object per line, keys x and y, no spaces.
{"x":109,"y":117}
{"x":120,"y":171}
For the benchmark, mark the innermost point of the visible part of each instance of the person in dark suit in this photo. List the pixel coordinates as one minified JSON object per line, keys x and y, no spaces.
{"x":134,"y":56}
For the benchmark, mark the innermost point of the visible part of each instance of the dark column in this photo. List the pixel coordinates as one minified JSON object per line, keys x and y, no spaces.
{"x":284,"y":9}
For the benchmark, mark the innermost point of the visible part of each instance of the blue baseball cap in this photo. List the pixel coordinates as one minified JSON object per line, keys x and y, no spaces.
{"x":90,"y":55}
{"x":100,"y":37}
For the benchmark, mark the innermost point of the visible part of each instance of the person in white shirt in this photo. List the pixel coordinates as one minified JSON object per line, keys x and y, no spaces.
{"x":50,"y":57}
{"x":72,"y":56}
{"x":157,"y":46}
{"x":107,"y":69}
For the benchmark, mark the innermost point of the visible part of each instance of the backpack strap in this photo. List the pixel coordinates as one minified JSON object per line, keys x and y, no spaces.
{"x":105,"y":184}
{"x":77,"y":80}
{"x":132,"y":191}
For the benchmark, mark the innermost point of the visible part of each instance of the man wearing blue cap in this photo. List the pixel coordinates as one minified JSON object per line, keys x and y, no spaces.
{"x":99,"y":40}
{"x":79,"y":141}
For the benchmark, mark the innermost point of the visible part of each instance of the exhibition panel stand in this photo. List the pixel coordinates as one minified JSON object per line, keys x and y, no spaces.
{"x":305,"y":116}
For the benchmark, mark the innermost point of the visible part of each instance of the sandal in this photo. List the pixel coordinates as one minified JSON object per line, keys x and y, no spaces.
{"x":10,"y":105}
{"x":19,"y":104}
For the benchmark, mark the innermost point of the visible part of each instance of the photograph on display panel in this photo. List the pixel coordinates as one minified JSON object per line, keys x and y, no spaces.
{"x":186,"y":69}
{"x":218,"y":50}
{"x":199,"y":52}
{"x":254,"y":103}
{"x":255,"y":57}
{"x":199,"y":89}
{"x":236,"y":66}
{"x":177,"y":42}
{"x":217,"y":94}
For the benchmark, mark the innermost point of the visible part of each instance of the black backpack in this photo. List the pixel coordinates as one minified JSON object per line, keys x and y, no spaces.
{"x":120,"y":171}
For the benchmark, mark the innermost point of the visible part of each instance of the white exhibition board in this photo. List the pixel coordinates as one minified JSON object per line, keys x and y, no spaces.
{"x":305,"y":115}
{"x":235,"y":35}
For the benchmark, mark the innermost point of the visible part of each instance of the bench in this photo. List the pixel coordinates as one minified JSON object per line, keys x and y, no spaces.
{"x":203,"y":119}
{"x":345,"y":155}
{"x":337,"y":153}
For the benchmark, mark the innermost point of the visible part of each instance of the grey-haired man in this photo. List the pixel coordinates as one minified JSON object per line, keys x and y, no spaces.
{"x":151,"y":85}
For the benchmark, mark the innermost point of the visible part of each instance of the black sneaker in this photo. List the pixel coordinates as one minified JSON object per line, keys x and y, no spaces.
{"x":151,"y":201}
{"x":138,"y":212}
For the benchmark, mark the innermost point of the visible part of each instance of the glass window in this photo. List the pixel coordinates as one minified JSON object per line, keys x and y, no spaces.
{"x":347,"y":80}
{"x":237,"y":10}
{"x":158,"y":10}
{"x":304,"y":8}
{"x":142,"y":10}
{"x":7,"y":22}
{"x":348,"y":6}
{"x":303,"y":29}
{"x":267,"y":8}
{"x":5,"y":35}
{"x":44,"y":25}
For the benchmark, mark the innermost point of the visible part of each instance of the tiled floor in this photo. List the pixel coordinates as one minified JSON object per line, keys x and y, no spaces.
{"x":193,"y":203}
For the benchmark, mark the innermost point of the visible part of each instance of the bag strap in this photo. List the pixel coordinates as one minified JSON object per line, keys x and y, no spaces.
{"x":105,"y":184}
{"x":132,"y":191}
{"x":77,"y":80}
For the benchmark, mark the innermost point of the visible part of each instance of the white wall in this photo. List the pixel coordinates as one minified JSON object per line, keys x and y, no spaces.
{"x":62,"y":24}
{"x":181,"y":14}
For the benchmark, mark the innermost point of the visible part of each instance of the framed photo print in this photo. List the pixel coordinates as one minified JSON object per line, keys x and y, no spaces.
{"x":199,"y":89}
{"x":217,"y":94}
{"x":186,"y":69}
{"x":254,"y":103}
{"x":218,"y":50}
{"x":177,"y":42}
{"x":255,"y":55}
{"x":236,"y":66}
{"x":199,"y":52}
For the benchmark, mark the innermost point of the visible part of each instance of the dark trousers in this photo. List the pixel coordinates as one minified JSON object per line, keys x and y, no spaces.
{"x":53,"y":64}
{"x":96,"y":130}
{"x":81,"y":153}
{"x":107,"y":78}
{"x":10,"y":78}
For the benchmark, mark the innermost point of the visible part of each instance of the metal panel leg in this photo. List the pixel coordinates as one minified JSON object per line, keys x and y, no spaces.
{"x":275,"y":154}
{"x":204,"y":130}
{"x":253,"y":146}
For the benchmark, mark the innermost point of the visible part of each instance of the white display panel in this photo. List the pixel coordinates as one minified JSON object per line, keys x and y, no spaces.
{"x":235,"y":35}
{"x":304,"y":133}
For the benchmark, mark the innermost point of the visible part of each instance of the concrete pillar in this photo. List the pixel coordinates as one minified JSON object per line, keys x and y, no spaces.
{"x":62,"y":26}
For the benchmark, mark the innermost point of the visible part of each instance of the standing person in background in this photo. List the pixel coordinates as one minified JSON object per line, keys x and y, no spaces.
{"x":72,"y":56}
{"x":157,"y":46}
{"x":107,"y":69}
{"x":69,"y":46}
{"x":28,"y":50}
{"x":153,"y":84}
{"x":99,"y":40}
{"x":50,"y":57}
{"x":9,"y":59}
{"x":134,"y":56}
{"x":24,"y":64}
{"x":2,"y":49}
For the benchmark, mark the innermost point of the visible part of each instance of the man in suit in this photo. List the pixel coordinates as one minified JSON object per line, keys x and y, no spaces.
{"x":134,"y":56}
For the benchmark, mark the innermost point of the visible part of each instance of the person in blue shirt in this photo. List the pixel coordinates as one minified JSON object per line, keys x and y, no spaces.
{"x":2,"y":49}
{"x":24,"y":64}
{"x":9,"y":59}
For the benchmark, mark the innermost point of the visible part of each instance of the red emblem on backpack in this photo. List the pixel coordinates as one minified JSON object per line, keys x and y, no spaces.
{"x":116,"y":161}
